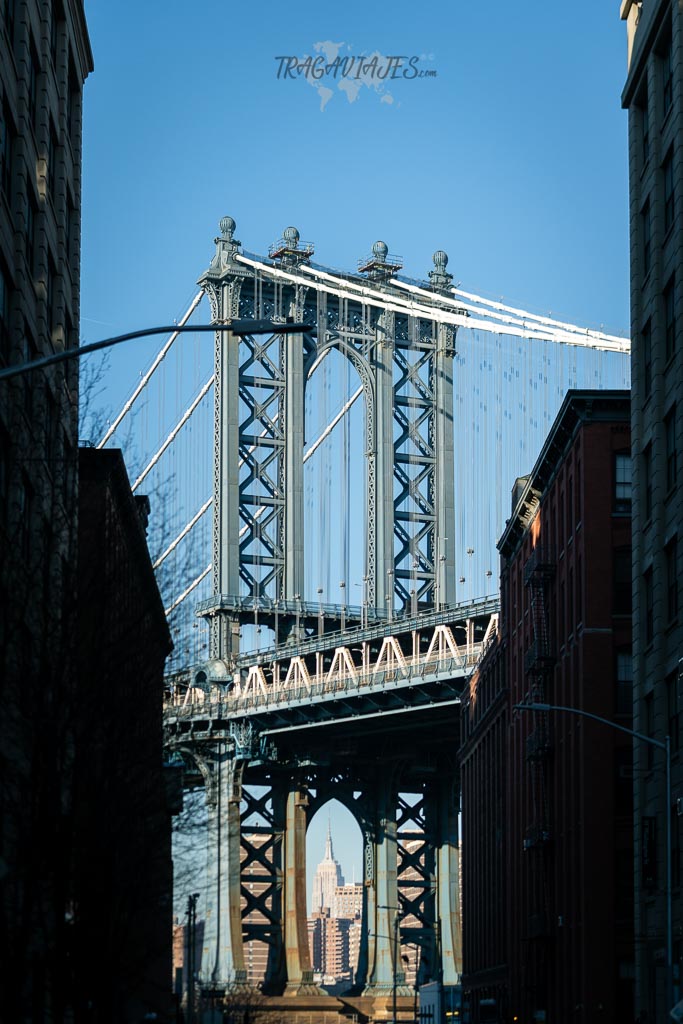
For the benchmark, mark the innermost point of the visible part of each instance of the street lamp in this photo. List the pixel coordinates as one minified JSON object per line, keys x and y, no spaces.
{"x":664,"y":745}
{"x":237,"y":327}
{"x":191,"y":952}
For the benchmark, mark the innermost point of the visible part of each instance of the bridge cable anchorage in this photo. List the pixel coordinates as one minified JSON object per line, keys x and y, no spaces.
{"x":188,"y":590}
{"x":350,"y":290}
{"x":174,"y":433}
{"x":111,"y":429}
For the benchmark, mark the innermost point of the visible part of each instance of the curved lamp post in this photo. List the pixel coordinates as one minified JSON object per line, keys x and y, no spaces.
{"x":664,"y":745}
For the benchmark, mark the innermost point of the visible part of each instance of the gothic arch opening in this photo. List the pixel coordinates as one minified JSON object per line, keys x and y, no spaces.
{"x":334,"y":851}
{"x":335,"y":498}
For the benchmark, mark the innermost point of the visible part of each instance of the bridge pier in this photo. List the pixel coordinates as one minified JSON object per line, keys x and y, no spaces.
{"x":386,"y":977}
{"x":448,"y":883}
{"x":222,"y":961}
{"x":298,"y":960}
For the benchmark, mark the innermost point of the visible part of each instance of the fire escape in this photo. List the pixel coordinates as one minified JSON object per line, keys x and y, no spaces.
{"x":539,"y":662}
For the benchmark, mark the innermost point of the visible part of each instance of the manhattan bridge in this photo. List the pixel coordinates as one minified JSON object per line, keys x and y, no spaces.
{"x":332,"y":483}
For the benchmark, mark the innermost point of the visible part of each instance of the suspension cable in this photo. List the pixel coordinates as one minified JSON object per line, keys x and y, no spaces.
{"x":183,"y":533}
{"x":146,"y":378}
{"x":174,"y":433}
{"x":181,"y":597}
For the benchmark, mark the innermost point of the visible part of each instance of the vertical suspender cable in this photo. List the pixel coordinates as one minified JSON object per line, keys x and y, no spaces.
{"x":145,"y":379}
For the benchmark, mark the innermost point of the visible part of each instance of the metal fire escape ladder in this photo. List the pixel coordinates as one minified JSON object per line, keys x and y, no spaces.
{"x":538,"y":664}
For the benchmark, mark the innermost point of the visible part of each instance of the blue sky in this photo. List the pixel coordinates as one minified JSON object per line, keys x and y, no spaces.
{"x":513,"y":158}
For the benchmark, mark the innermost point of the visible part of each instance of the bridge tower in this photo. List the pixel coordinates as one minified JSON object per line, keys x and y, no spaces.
{"x":405,"y":365}
{"x":364,"y":710}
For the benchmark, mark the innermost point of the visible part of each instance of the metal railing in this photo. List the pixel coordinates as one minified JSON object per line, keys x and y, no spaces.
{"x":322,"y":687}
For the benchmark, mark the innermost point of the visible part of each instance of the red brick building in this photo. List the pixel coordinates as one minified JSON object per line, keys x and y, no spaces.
{"x":547,"y":797}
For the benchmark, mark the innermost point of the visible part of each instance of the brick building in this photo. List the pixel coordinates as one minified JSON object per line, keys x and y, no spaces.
{"x":45,"y":57}
{"x":122,"y":885}
{"x":547,"y":799}
{"x":653,"y":95}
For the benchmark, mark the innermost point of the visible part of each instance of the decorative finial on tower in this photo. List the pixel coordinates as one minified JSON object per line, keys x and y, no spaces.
{"x":227,"y":248}
{"x":287,"y":250}
{"x":380,"y":251}
{"x":380,"y":266}
{"x":227,"y":226}
{"x":439,"y":279}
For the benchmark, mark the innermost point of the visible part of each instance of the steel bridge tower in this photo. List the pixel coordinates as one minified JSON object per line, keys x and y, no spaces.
{"x":362,"y":707}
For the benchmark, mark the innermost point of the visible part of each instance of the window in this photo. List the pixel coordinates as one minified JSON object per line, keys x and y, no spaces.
{"x":645,"y":129}
{"x":50,"y":427}
{"x":671,"y":560}
{"x":50,"y":276}
{"x":647,"y":482}
{"x":7,"y":135}
{"x":10,"y":16}
{"x":648,"y":606}
{"x":4,"y":316}
{"x":675,"y":847}
{"x":624,"y":694}
{"x":570,"y":600}
{"x":30,"y":239}
{"x":51,"y":160}
{"x":68,"y":234}
{"x":668,"y":175}
{"x":570,"y":504}
{"x":73,"y":100}
{"x":670,"y":447}
{"x":646,"y":226}
{"x":667,"y":79}
{"x":622,"y":600}
{"x":650,"y":726}
{"x":25,"y":511}
{"x":669,"y":297}
{"x":622,"y":482}
{"x":33,"y":78}
{"x":55,"y":26}
{"x":646,"y":358}
{"x":672,"y":709}
{"x":30,"y":352}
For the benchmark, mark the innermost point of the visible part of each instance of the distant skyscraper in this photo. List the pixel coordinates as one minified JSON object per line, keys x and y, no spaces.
{"x":328,"y":877}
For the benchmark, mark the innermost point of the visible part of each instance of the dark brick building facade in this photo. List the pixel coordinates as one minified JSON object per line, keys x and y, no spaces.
{"x":547,"y":796}
{"x":122,"y":824}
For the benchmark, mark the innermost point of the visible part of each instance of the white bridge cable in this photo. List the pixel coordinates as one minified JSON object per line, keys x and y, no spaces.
{"x":174,"y":433}
{"x":520,"y":315}
{"x":183,"y":533}
{"x":350,"y":290}
{"x":188,"y":590}
{"x":519,"y":318}
{"x":144,"y":381}
{"x":207,"y":504}
{"x":330,"y":427}
{"x":259,"y":512}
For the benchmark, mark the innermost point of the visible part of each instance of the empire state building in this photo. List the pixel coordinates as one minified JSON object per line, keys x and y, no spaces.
{"x":327,"y":877}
